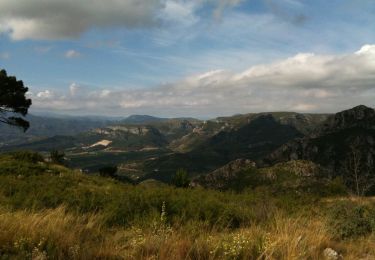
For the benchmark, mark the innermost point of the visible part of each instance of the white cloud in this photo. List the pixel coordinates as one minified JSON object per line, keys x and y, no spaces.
{"x":182,"y":12}
{"x":46,"y":94}
{"x":305,"y":83}
{"x":72,"y":54}
{"x":61,"y":19}
{"x":73,"y":89}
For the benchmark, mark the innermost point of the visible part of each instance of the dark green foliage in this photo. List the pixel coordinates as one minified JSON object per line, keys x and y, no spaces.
{"x":57,"y":157}
{"x":96,"y":160}
{"x":27,"y":156}
{"x":13,"y":101}
{"x":181,"y":179}
{"x":23,"y":164}
{"x":284,"y":178}
{"x":336,"y":187}
{"x":108,"y":171}
{"x":347,"y":220}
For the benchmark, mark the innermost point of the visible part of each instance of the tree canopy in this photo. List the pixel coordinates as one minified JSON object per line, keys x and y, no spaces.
{"x":13,"y":102}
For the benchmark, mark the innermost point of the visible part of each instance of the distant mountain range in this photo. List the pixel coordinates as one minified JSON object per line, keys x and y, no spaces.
{"x":146,"y":147}
{"x":251,"y":136}
{"x":44,"y":127}
{"x":141,"y":119}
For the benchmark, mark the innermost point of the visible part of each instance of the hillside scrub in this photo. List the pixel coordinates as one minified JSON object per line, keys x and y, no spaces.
{"x":49,"y":211}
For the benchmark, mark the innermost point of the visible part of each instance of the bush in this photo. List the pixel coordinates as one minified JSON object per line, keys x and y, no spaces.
{"x":347,"y":220}
{"x":181,"y":179}
{"x":108,"y":171}
{"x":336,"y":187}
{"x":57,"y":157}
{"x":27,"y":156}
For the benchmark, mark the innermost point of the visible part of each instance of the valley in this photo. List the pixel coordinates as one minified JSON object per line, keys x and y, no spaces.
{"x":142,"y":145}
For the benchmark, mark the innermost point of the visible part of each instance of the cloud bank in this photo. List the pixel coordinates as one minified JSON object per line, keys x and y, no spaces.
{"x":62,"y":19}
{"x":305,"y":82}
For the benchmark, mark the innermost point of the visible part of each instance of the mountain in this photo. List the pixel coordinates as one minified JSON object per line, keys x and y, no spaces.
{"x":304,"y":123}
{"x":357,"y":117}
{"x":251,"y":141}
{"x":117,"y":138}
{"x":125,"y":137}
{"x":45,"y":127}
{"x":58,"y":142}
{"x":157,"y":147}
{"x":251,"y":136}
{"x":344,"y":144}
{"x":141,"y":119}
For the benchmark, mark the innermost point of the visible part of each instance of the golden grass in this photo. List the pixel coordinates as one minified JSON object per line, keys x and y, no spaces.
{"x":58,"y":234}
{"x":54,"y":232}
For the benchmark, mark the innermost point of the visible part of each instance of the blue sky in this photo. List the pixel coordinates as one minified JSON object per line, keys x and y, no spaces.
{"x":190,"y":58}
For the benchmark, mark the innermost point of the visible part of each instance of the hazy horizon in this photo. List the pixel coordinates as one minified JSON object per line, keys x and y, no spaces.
{"x":121,"y":117}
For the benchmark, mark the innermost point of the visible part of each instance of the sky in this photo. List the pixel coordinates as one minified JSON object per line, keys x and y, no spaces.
{"x":201,"y":58}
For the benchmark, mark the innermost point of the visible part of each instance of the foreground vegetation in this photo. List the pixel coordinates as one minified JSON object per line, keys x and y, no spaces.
{"x":50,"y":212}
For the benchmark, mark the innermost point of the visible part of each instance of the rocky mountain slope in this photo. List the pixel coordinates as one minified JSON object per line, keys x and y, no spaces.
{"x":222,"y":177}
{"x":344,"y":144}
{"x":251,"y":136}
{"x":242,"y":174}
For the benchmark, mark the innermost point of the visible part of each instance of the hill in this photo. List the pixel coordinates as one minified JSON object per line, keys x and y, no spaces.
{"x":45,"y":127}
{"x":150,"y":147}
{"x":141,"y":119}
{"x":251,"y":136}
{"x":49,"y":211}
{"x":344,"y":144}
{"x":242,"y":174}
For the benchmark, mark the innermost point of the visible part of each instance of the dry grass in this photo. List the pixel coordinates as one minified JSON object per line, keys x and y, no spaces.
{"x":57,"y":234}
{"x":296,"y":238}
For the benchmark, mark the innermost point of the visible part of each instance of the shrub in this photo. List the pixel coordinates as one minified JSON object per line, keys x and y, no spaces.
{"x":347,"y":220}
{"x":27,"y":156}
{"x":108,"y":171}
{"x":181,"y":179}
{"x":336,"y":187}
{"x":57,"y":157}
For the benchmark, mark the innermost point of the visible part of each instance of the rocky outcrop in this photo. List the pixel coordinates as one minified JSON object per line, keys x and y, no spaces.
{"x":330,"y":254}
{"x":219,"y":178}
{"x":333,"y":144}
{"x":243,"y":174}
{"x":120,"y":130}
{"x":357,"y":117}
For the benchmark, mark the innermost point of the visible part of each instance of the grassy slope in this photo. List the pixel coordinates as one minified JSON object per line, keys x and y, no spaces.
{"x":48,"y":210}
